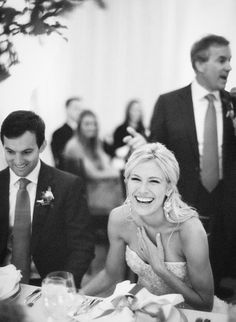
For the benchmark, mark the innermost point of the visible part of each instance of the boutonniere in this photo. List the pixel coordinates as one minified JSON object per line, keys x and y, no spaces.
{"x":230,"y":113}
{"x":46,"y":198}
{"x":228,"y":102}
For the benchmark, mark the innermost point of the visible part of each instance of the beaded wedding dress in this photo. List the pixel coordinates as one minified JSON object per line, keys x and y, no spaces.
{"x":156,"y":285}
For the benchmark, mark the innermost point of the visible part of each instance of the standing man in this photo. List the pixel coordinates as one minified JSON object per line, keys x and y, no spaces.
{"x":44,"y":219}
{"x":61,"y":136}
{"x":191,"y":122}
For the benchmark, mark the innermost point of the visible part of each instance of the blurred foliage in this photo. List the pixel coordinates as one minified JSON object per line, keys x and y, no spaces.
{"x":36,"y":17}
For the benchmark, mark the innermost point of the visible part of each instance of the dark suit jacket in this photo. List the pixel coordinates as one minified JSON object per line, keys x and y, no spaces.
{"x":61,"y":233}
{"x":173,"y":124}
{"x":59,"y":139}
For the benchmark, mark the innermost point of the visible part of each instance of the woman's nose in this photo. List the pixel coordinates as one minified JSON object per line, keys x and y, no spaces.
{"x":143,"y":187}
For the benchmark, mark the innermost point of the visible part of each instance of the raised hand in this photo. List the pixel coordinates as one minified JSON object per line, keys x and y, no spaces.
{"x":153,"y":254}
{"x":135,"y":139}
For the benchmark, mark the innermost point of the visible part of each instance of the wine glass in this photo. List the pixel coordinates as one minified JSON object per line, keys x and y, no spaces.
{"x":69,"y":279}
{"x":59,"y":294}
{"x":55,"y":297}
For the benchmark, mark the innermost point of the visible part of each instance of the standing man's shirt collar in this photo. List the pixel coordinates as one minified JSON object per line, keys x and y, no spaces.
{"x":199,"y":92}
{"x":32,"y":176}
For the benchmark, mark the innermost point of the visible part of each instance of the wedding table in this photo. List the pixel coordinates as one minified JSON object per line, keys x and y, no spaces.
{"x":36,"y":313}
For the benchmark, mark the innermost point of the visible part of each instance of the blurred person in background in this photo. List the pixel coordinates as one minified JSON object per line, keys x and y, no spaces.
{"x":61,"y":136}
{"x":84,"y":155}
{"x":134,"y":118}
{"x":86,"y":146}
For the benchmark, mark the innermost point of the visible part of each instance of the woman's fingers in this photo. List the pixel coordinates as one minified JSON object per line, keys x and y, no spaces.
{"x":140,"y":240}
{"x":134,"y":139}
{"x":160,"y":246}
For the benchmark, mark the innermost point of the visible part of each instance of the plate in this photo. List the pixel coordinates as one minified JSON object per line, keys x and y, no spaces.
{"x":12,"y":294}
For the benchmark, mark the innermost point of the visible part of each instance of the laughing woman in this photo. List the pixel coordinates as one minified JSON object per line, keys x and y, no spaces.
{"x":158,"y":235}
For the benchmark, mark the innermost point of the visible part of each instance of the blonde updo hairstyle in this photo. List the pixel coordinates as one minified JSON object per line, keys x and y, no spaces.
{"x":175,"y":209}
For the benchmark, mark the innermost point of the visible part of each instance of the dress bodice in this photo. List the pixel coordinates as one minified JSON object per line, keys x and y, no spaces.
{"x":150,"y":280}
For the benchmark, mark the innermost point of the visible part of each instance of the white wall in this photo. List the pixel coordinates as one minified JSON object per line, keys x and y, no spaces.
{"x":134,"y":48}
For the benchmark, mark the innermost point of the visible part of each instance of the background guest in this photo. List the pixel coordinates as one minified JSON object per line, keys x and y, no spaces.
{"x":84,"y":156}
{"x":178,"y":122}
{"x":133,"y":118}
{"x":74,"y":106}
{"x":86,"y":146}
{"x":44,"y":218}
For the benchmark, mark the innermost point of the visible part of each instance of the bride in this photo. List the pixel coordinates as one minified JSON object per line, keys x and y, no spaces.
{"x":158,"y":235}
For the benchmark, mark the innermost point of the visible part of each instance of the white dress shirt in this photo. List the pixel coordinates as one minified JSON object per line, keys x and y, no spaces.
{"x":31,"y":188}
{"x":200,"y":104}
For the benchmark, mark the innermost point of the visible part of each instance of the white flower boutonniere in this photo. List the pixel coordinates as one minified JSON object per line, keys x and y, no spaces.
{"x":46,"y":198}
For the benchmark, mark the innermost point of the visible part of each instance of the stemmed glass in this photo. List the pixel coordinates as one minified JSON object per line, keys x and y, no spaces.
{"x":59,"y":295}
{"x":69,"y":279}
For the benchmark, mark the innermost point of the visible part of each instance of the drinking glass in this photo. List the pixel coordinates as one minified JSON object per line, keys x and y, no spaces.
{"x":69,"y":279}
{"x":55,"y":297}
{"x":59,"y":295}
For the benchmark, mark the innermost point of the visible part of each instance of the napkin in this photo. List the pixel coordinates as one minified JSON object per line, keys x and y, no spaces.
{"x":123,"y":305}
{"x":9,"y":279}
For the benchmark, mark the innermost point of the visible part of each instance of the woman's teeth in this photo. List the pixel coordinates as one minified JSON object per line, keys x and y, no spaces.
{"x":144,"y":199}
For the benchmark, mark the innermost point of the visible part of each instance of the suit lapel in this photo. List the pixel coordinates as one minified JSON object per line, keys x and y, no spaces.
{"x":41,"y":213}
{"x":228,"y":130}
{"x":4,"y":199}
{"x":186,"y":108}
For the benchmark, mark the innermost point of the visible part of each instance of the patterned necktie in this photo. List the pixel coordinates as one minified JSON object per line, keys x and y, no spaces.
{"x":22,"y":231}
{"x":210,"y":158}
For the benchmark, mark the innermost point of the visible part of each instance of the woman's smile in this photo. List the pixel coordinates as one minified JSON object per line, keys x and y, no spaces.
{"x":144,"y":200}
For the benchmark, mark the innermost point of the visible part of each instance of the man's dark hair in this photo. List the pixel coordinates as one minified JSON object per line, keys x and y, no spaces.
{"x":18,"y":122}
{"x":200,"y":49}
{"x":71,"y":99}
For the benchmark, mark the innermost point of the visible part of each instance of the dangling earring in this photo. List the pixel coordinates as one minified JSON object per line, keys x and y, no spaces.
{"x":167,"y":207}
{"x":128,"y":202}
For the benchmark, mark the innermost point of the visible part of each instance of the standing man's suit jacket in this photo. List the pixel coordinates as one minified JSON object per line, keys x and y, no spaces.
{"x":59,"y":139}
{"x":173,"y":124}
{"x":61,"y":234}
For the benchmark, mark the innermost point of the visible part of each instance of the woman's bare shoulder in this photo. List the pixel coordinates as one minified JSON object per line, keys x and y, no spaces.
{"x":192,"y":228}
{"x":119,"y":215}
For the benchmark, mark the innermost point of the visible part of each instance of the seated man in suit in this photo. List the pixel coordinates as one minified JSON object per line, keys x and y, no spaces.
{"x":44,"y":218}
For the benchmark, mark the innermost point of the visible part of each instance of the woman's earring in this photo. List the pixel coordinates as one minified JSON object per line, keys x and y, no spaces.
{"x":130,"y":208}
{"x":167,"y":206}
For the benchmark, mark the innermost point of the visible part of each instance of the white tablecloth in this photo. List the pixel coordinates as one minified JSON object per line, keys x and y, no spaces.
{"x":36,"y":313}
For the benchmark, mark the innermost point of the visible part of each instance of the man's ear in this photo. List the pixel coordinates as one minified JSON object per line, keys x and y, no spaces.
{"x":200,"y":66}
{"x":43,"y":146}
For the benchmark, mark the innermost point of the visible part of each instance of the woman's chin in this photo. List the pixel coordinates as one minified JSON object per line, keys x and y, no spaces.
{"x":143,"y":211}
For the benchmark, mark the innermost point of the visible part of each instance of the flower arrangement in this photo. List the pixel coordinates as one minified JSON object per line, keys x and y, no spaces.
{"x":46,"y":198}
